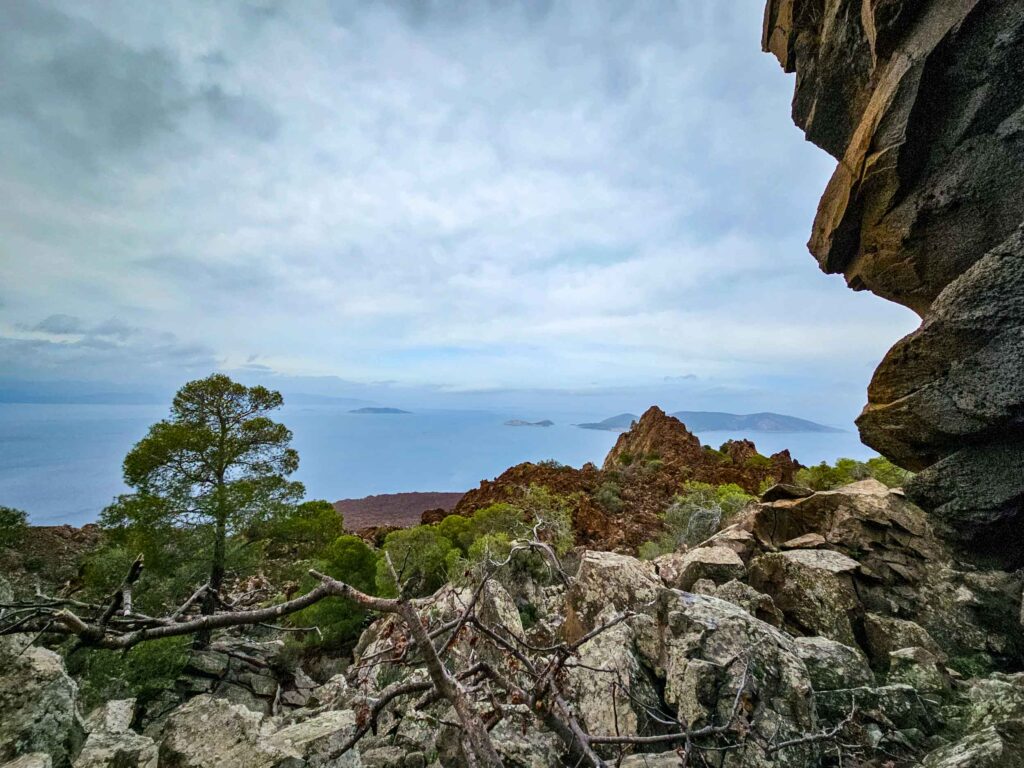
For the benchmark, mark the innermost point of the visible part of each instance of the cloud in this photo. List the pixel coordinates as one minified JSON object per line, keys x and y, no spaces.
{"x":59,"y":325}
{"x":62,"y":346}
{"x":471,"y":195}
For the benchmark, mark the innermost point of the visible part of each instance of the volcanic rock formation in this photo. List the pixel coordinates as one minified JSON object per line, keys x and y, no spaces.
{"x":622,"y":504}
{"x":922,"y":103}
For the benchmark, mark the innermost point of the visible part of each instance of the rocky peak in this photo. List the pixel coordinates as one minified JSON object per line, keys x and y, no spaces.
{"x":655,"y":435}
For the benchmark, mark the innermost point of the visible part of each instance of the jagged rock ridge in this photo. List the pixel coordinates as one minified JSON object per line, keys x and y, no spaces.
{"x":922,"y":102}
{"x":644,"y":470}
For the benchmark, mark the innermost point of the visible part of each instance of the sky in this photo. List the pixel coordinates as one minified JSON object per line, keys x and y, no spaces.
{"x":460,"y":202}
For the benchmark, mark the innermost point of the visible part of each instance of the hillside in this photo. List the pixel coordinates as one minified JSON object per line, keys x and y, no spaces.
{"x":393,"y":509}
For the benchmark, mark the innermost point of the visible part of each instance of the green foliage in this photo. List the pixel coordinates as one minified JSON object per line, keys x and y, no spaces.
{"x":427,"y":556}
{"x":142,"y":672}
{"x":720,"y":456}
{"x":757,"y":461}
{"x":655,"y":548}
{"x":13,"y":525}
{"x":823,"y":477}
{"x":550,"y":464}
{"x":528,"y":614}
{"x":459,"y":530}
{"x":887,"y":473}
{"x":340,"y":621}
{"x":217,"y":466}
{"x":301,"y":530}
{"x":420,"y":555}
{"x":695,"y":514}
{"x":626,"y":458}
{"x":608,"y":497}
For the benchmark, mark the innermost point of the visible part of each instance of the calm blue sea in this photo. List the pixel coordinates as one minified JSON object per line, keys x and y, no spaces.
{"x":62,"y":463}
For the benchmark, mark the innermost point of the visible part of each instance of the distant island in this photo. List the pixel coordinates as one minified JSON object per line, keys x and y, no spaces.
{"x":524,"y":423}
{"x":379,"y":410}
{"x":618,"y":423}
{"x":717,"y":421}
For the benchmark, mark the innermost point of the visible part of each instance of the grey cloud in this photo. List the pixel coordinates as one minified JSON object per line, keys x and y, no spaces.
{"x":93,"y":355}
{"x":244,"y":113}
{"x":79,"y":94}
{"x":59,"y":325}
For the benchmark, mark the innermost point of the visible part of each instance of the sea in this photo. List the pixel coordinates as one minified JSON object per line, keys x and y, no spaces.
{"x":61,"y":463}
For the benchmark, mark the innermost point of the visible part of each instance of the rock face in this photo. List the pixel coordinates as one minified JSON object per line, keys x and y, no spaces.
{"x":922,"y":102}
{"x":38,"y":707}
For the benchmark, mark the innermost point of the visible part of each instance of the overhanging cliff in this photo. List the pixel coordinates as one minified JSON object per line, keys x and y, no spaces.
{"x":922,"y":103}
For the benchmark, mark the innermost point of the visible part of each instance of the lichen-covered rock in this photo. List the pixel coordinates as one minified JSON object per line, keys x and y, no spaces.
{"x":892,"y":706}
{"x":608,"y":579}
{"x":832,"y":665}
{"x":715,"y":563}
{"x":614,"y":699}
{"x":919,"y":668}
{"x":885,"y":634}
{"x":31,"y":760}
{"x":997,"y":746}
{"x":38,"y":709}
{"x":905,"y":570}
{"x":311,"y":742}
{"x":111,"y":741}
{"x":209,"y":731}
{"x":812,"y":588}
{"x":656,"y":760}
{"x":757,"y":604}
{"x":205,"y":730}
{"x":704,"y":647}
{"x":995,"y":699}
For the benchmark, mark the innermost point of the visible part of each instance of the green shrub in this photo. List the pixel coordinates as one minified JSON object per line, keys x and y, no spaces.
{"x":301,"y":530}
{"x":757,"y":461}
{"x":720,"y":456}
{"x":420,"y":556}
{"x":887,"y":473}
{"x":340,"y":621}
{"x":609,"y":498}
{"x":657,"y":547}
{"x":823,"y":477}
{"x":527,"y":614}
{"x":696,"y":514}
{"x":142,"y":672}
{"x":13,"y":525}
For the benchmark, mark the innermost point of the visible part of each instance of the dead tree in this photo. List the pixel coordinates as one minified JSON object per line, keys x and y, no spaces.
{"x":480,"y":694}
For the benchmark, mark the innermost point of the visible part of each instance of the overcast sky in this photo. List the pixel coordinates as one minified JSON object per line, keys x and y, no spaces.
{"x":461,"y":195}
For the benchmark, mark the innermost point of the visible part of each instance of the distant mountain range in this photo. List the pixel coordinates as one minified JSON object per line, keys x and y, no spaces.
{"x":524,"y":423}
{"x":717,"y":421}
{"x":385,"y":411}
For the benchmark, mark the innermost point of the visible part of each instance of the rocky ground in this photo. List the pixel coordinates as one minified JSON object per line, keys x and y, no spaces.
{"x":838,"y":607}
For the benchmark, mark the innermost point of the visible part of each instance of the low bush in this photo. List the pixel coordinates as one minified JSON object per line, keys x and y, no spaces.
{"x":13,"y":525}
